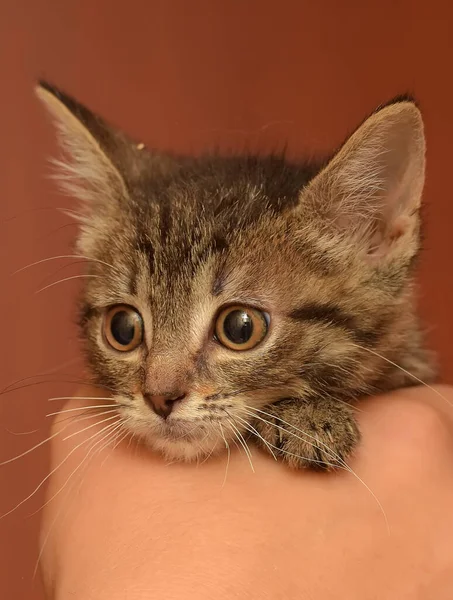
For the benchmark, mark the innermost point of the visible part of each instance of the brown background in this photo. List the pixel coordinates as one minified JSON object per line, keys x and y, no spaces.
{"x":187,"y":75}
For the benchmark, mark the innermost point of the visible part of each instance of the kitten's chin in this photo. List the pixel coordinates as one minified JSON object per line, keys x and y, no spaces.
{"x":187,"y":450}
{"x":176,"y":448}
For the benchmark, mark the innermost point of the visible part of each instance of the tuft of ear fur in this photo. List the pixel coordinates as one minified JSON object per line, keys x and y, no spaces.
{"x":371,"y":190}
{"x":88,"y":171}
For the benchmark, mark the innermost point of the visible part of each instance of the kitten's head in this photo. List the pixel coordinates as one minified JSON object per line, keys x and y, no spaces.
{"x":220,"y":285}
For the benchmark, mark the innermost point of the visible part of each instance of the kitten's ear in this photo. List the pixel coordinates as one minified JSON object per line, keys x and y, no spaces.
{"x":91,"y":170}
{"x":372,"y":187}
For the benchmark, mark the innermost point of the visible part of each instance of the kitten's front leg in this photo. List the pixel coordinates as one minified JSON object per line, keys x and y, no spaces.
{"x":318,"y":434}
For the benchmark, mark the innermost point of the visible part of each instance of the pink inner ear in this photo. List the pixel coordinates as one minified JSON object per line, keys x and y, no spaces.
{"x":382,"y":239}
{"x":399,"y":227}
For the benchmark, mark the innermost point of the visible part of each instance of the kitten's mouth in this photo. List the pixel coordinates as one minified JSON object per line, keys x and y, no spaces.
{"x":180,"y":429}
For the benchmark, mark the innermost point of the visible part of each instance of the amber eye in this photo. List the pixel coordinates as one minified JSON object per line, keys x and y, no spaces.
{"x":123,"y":328}
{"x":241,"y":328}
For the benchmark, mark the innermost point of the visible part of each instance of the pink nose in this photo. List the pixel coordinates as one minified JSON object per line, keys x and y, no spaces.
{"x":163,"y":405}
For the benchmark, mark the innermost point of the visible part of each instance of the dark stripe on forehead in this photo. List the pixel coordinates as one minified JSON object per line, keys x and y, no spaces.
{"x":329,"y":314}
{"x":144,"y":247}
{"x":216,"y":245}
{"x":218,"y":283}
{"x":164,"y":220}
{"x":219,"y":245}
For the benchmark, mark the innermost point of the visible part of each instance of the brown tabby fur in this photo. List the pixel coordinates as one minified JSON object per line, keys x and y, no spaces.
{"x":328,"y":251}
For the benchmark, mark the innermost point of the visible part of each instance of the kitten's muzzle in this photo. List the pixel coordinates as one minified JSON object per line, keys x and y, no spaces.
{"x":164,"y":404}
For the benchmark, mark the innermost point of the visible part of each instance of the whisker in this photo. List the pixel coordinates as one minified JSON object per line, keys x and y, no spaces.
{"x":234,"y":440}
{"x":107,"y":430}
{"x":343,"y":463}
{"x":313,"y":460}
{"x":52,"y":525}
{"x":9,"y":388}
{"x":52,"y":233}
{"x":69,"y":212}
{"x":252,"y":430}
{"x":18,"y":433}
{"x":51,"y":437}
{"x":305,"y":457}
{"x":92,"y":425}
{"x":70,"y":410}
{"x":115,"y":432}
{"x":84,"y":416}
{"x":414,"y":377}
{"x":45,"y":374}
{"x":208,"y":456}
{"x":39,"y":208}
{"x":188,"y":433}
{"x":52,"y":275}
{"x":243,"y":444}
{"x":304,"y":433}
{"x":64,"y":256}
{"x":78,"y":398}
{"x":39,"y":486}
{"x":60,"y":511}
{"x":116,"y":442}
{"x":227,"y":446}
{"x":113,"y":436}
{"x":200,"y":445}
{"x":46,"y":287}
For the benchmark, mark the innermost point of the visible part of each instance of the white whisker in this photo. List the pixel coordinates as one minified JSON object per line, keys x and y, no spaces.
{"x":19,"y":433}
{"x":92,"y":425}
{"x":69,"y":212}
{"x":188,"y":433}
{"x":227,"y":446}
{"x":46,"y":287}
{"x":313,"y":460}
{"x":414,"y":377}
{"x":77,"y":398}
{"x":243,"y":443}
{"x":70,"y":410}
{"x":306,"y":441}
{"x":51,"y":371}
{"x":304,"y":457}
{"x":208,"y":456}
{"x":13,"y":387}
{"x":84,"y":416}
{"x":119,"y":436}
{"x":10,"y":460}
{"x":200,"y":444}
{"x":109,"y":429}
{"x":60,"y":510}
{"x":63,"y":256}
{"x":252,"y":430}
{"x":39,"y":486}
{"x":52,"y":525}
{"x":343,"y":463}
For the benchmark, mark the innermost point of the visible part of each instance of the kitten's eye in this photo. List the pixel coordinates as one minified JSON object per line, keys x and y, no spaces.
{"x":123,"y":328}
{"x":241,"y":328}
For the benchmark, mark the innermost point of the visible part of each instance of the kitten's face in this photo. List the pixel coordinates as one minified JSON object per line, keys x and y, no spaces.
{"x":220,"y":286}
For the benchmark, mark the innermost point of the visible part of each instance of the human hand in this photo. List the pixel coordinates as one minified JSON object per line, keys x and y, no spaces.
{"x":137,"y":528}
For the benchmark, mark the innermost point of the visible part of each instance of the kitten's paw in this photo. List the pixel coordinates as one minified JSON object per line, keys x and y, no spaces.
{"x":304,"y":435}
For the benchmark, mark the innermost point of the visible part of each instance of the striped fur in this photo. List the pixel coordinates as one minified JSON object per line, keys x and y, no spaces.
{"x":327,"y":250}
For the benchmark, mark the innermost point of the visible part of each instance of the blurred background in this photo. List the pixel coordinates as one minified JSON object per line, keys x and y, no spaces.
{"x":186,"y":76}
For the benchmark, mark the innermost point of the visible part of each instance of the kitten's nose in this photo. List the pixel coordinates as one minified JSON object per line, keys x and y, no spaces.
{"x":163,"y":405}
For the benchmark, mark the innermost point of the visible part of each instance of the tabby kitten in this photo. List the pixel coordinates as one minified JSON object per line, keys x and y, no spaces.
{"x":245,"y":295}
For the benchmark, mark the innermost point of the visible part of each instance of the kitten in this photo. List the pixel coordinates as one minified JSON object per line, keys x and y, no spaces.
{"x":243,"y":295}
